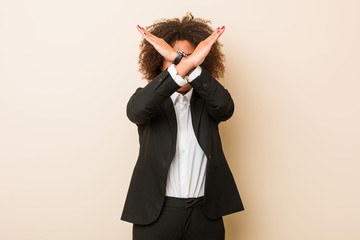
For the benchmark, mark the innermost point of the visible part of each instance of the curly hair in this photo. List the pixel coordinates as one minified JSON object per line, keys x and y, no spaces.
{"x":188,"y":28}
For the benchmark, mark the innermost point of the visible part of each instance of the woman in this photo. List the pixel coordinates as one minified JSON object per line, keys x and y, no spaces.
{"x":181,"y":185}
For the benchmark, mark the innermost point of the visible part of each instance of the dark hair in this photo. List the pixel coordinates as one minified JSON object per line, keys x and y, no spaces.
{"x":188,"y":28}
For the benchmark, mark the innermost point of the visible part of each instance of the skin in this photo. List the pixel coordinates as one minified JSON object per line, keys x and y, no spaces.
{"x":187,"y":48}
{"x":187,"y":64}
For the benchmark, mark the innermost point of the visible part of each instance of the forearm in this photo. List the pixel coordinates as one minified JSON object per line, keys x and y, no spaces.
{"x":185,"y":67}
{"x":218,"y":100}
{"x":144,"y":104}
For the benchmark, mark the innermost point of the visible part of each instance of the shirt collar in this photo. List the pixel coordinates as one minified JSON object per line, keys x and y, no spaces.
{"x":188,"y":95}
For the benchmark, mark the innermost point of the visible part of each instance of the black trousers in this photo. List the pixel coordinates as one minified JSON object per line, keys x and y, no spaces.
{"x":181,"y":219}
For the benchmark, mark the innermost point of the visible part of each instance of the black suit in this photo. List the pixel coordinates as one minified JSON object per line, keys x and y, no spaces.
{"x":151,"y":108}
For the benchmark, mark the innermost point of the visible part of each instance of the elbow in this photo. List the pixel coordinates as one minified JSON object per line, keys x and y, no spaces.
{"x":223,"y":111}
{"x":134,"y":115}
{"x":138,"y":114}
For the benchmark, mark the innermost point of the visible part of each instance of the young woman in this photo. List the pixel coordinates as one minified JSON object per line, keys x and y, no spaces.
{"x":181,"y":184}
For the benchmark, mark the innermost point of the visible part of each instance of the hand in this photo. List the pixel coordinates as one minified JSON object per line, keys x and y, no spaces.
{"x":159,"y":44}
{"x":203,"y":48}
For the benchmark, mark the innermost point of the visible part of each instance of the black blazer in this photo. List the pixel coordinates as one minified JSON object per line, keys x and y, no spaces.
{"x":152,"y":110}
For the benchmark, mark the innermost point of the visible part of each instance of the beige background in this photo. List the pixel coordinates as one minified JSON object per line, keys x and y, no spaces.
{"x":67,"y":149}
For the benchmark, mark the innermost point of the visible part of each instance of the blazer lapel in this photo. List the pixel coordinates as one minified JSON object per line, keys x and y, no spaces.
{"x":169,"y":111}
{"x":196,"y":106}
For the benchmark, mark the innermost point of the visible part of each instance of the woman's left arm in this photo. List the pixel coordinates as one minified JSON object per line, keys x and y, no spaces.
{"x":219,"y":102}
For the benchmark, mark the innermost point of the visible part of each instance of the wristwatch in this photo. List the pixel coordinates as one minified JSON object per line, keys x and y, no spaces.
{"x":180,"y":55}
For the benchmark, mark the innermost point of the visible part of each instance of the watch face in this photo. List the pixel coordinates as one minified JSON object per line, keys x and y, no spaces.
{"x":179,"y":51}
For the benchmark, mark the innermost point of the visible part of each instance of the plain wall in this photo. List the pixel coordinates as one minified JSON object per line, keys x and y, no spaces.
{"x":67,"y":149}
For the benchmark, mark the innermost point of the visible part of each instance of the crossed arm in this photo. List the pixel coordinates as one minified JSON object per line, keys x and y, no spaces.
{"x":188,"y":63}
{"x":144,"y":103}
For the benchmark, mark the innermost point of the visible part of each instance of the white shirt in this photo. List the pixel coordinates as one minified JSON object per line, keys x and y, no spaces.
{"x":186,"y":176}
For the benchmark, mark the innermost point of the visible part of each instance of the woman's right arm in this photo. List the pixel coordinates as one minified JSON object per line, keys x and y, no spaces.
{"x":145,"y":102}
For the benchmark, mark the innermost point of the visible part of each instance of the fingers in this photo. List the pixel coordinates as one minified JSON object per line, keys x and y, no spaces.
{"x":217,"y":33}
{"x":142,"y":30}
{"x":145,"y":33}
{"x":139,"y":29}
{"x":152,"y":39}
{"x":220,"y":31}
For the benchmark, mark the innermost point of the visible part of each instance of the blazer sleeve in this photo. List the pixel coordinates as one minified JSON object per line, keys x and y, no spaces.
{"x":218,"y":100}
{"x":145,"y":102}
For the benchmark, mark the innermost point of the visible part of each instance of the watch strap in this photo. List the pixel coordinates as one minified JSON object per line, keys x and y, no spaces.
{"x":178,"y":58}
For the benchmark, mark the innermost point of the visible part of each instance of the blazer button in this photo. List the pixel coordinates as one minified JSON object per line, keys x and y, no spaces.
{"x":204,"y":84}
{"x":160,"y":80}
